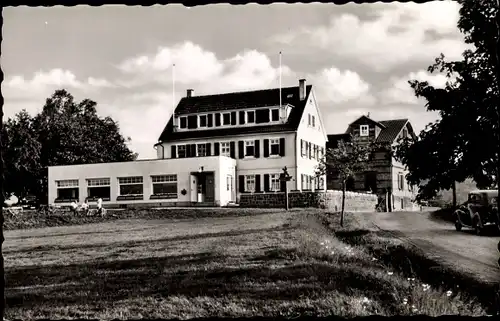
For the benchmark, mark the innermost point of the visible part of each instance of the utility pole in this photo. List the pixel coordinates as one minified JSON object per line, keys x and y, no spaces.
{"x":285,"y":177}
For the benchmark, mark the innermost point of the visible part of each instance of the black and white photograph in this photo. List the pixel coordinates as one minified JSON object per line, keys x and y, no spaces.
{"x":277,"y":160}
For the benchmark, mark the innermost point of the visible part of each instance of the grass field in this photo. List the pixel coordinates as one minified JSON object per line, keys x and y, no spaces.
{"x":252,"y":263}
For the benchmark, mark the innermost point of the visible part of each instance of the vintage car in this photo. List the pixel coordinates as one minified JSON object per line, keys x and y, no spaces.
{"x":479,"y":211}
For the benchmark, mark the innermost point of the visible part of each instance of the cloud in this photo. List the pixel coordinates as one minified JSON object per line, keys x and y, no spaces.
{"x":141,"y":116}
{"x":30,"y":93}
{"x":43,"y":83}
{"x":192,"y":65}
{"x":336,"y":86}
{"x":398,"y":34}
{"x":400,"y":91}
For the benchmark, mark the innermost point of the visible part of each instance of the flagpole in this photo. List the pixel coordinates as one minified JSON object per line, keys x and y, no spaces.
{"x":280,"y":78}
{"x":173,"y":89}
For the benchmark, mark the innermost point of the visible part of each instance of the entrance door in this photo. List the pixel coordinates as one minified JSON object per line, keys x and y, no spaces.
{"x":231,"y":188}
{"x":193,"y":184}
{"x":209,"y":188}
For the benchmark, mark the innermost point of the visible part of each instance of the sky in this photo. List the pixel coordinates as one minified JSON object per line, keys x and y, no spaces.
{"x":358,"y":57}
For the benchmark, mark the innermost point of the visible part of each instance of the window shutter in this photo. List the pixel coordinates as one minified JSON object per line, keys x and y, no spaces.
{"x":208,"y":147}
{"x":241,"y":183}
{"x":193,"y":150}
{"x":241,"y":149}
{"x":210,"y":120}
{"x":242,"y":117}
{"x":217,"y":119}
{"x":266,"y":147}
{"x":232,"y":152}
{"x":216,"y":149}
{"x":266,"y":182}
{"x":302,"y":147}
{"x":257,"y":183}
{"x":302,"y":182}
{"x":309,"y":150}
{"x":233,"y":118}
{"x":173,"y":151}
{"x":257,"y":148}
{"x":282,"y":147}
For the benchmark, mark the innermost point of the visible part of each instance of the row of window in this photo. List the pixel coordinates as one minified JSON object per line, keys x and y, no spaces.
{"x":253,"y":183}
{"x":246,"y":148}
{"x":230,"y":118}
{"x":311,"y":150}
{"x":130,"y":188}
{"x":310,"y":182}
{"x":272,"y":183}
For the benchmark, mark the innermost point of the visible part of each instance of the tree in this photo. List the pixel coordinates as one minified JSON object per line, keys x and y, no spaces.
{"x":63,"y":133}
{"x":465,"y":142}
{"x":346,"y":160}
{"x":2,"y":239}
{"x":22,"y":153}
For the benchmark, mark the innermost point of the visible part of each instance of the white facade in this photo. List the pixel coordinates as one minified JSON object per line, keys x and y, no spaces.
{"x":174,"y":174}
{"x":264,"y":164}
{"x":311,"y":135}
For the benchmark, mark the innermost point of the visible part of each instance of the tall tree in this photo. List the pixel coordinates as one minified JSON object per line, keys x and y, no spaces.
{"x":22,"y":153}
{"x":346,"y":160}
{"x":63,"y":133}
{"x":465,"y":142}
{"x":2,"y":239}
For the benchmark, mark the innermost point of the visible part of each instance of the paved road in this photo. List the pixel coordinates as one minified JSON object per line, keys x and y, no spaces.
{"x":462,"y":250}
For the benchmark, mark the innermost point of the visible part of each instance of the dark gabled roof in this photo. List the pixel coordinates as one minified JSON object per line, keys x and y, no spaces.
{"x":333,"y":140}
{"x":390,"y":133}
{"x":379,"y":124}
{"x":240,"y":100}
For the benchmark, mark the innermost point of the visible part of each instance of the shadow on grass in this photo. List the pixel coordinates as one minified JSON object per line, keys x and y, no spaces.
{"x":128,"y":244}
{"x":442,"y":215}
{"x":100,"y":283}
{"x":413,"y":262}
{"x":33,"y":219}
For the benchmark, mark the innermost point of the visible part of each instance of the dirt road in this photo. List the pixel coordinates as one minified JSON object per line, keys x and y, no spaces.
{"x":463,"y":250}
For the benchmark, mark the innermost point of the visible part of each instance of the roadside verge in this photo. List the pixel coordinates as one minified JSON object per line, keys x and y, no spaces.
{"x":402,"y":255}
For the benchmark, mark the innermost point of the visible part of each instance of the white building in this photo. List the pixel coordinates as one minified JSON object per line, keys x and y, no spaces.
{"x":212,"y":149}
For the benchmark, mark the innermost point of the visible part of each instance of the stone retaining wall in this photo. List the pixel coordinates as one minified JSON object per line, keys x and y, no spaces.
{"x":330,"y":200}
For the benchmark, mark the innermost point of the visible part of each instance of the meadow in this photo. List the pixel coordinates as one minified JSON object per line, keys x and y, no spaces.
{"x":187,"y":263}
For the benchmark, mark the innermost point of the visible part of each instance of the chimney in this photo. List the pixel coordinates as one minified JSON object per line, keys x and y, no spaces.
{"x":302,"y":89}
{"x":190,"y":93}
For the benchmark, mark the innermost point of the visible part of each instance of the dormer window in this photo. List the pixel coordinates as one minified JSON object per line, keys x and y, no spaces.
{"x":363,"y":130}
{"x":250,"y":117}
{"x":183,"y":122}
{"x":203,"y":121}
{"x":275,"y":114}
{"x":226,"y":119}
